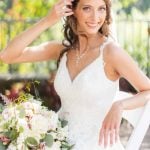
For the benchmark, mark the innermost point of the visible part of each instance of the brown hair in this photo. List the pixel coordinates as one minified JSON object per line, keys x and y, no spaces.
{"x":70,"y":28}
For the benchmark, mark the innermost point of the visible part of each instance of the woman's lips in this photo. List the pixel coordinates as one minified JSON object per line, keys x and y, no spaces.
{"x":92,"y":25}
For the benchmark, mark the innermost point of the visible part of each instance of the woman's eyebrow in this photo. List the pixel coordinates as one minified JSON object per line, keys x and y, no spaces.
{"x":92,"y":6}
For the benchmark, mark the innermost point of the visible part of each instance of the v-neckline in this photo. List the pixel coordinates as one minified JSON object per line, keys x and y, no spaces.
{"x":87,"y":66}
{"x":82,"y":71}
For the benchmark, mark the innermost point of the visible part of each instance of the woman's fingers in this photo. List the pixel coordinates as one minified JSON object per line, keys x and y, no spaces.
{"x":61,"y":9}
{"x":65,"y":8}
{"x":116,"y":134}
{"x":112,"y":135}
{"x":101,"y":136}
{"x":63,"y":3}
{"x":108,"y":136}
{"x":68,"y":14}
{"x":109,"y":132}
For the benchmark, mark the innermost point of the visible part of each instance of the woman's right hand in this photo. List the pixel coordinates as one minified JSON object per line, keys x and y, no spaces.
{"x":60,"y":9}
{"x":18,"y":49}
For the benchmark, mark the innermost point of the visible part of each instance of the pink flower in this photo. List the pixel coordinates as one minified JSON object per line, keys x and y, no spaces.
{"x":42,"y":146}
{"x":4,"y":139}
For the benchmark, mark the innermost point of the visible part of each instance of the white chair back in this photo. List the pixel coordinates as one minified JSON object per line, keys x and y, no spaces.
{"x":140,"y":119}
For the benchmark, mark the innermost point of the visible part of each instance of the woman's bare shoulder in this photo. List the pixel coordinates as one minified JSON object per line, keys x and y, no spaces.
{"x":127,"y":67}
{"x":113,"y":47}
{"x":113,"y":50}
{"x":114,"y":55}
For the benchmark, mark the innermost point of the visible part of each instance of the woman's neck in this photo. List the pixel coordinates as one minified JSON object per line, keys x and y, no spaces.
{"x":89,"y":41}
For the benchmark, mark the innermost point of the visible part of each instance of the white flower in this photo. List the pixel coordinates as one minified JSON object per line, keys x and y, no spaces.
{"x":37,"y":106}
{"x":21,"y":138}
{"x":39,"y":124}
{"x":11,"y":147}
{"x":31,"y":119}
{"x":20,"y":146}
{"x":22,"y":123}
{"x":20,"y":142}
{"x":29,"y":112}
{"x":27,"y":105}
{"x":30,"y":133}
{"x":53,"y":121}
{"x":8,"y":113}
{"x":62,"y":133}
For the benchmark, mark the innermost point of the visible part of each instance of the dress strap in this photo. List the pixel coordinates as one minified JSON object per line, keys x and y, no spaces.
{"x":102,"y":50}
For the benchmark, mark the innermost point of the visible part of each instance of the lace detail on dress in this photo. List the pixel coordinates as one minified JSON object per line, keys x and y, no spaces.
{"x":85,"y":102}
{"x":102,"y":50}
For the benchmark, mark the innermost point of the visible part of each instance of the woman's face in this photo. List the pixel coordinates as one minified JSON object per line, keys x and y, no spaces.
{"x":90,"y":15}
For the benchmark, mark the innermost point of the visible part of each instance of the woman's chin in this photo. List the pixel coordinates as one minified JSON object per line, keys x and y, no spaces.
{"x":90,"y":33}
{"x":89,"y":30}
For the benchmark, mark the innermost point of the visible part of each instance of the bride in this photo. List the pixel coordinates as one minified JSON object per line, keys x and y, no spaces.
{"x":89,"y":67}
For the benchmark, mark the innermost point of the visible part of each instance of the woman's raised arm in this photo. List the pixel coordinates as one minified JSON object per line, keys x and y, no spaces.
{"x":18,"y":51}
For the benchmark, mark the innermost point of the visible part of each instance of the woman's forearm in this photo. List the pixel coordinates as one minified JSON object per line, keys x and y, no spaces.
{"x":19,"y":43}
{"x":139,"y":100}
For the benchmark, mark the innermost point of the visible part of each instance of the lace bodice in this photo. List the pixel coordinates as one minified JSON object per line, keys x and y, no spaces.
{"x":85,"y":100}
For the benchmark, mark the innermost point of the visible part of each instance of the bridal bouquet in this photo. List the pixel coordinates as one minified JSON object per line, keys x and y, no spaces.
{"x":27,"y":125}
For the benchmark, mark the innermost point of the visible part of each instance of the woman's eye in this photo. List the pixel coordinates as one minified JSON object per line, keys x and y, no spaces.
{"x":86,"y":8}
{"x":102,"y":9}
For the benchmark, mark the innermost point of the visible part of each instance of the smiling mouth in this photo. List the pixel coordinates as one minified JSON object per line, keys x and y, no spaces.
{"x":91,"y":25}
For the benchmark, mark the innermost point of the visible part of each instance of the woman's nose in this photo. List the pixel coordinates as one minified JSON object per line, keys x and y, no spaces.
{"x":95,"y":16}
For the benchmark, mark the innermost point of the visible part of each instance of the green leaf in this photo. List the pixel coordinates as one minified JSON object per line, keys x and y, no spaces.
{"x":1,"y":108}
{"x":13,"y":134}
{"x":2,"y":147}
{"x":42,"y":136}
{"x":67,"y":146}
{"x":64,"y":123}
{"x":49,"y":140}
{"x":28,"y":86}
{"x":21,"y":129}
{"x":37,"y":82}
{"x":22,"y":113}
{"x":31,"y":142}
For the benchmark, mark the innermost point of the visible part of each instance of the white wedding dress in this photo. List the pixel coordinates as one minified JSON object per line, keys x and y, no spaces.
{"x":85,"y":102}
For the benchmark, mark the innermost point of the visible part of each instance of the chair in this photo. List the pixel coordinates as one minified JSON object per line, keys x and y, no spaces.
{"x":139,"y":119}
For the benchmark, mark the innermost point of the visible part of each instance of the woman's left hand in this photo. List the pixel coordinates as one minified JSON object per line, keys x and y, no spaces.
{"x":109,"y":131}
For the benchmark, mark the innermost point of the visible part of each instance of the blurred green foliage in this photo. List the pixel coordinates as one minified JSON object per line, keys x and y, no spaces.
{"x":133,"y":36}
{"x":18,"y":15}
{"x":128,"y":5}
{"x":23,"y":9}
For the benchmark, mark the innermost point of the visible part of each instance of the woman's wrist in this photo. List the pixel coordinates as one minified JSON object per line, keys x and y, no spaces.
{"x":50,"y":20}
{"x":46,"y":23}
{"x":119,"y":105}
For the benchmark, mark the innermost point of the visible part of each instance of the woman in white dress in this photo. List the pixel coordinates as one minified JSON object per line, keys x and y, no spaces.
{"x":90,"y":65}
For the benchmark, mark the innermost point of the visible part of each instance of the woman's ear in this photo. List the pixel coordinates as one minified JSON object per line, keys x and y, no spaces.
{"x":74,"y":13}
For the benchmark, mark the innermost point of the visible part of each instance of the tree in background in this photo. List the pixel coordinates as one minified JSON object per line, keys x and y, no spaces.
{"x":127,"y":6}
{"x":32,"y":10}
{"x":23,"y":9}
